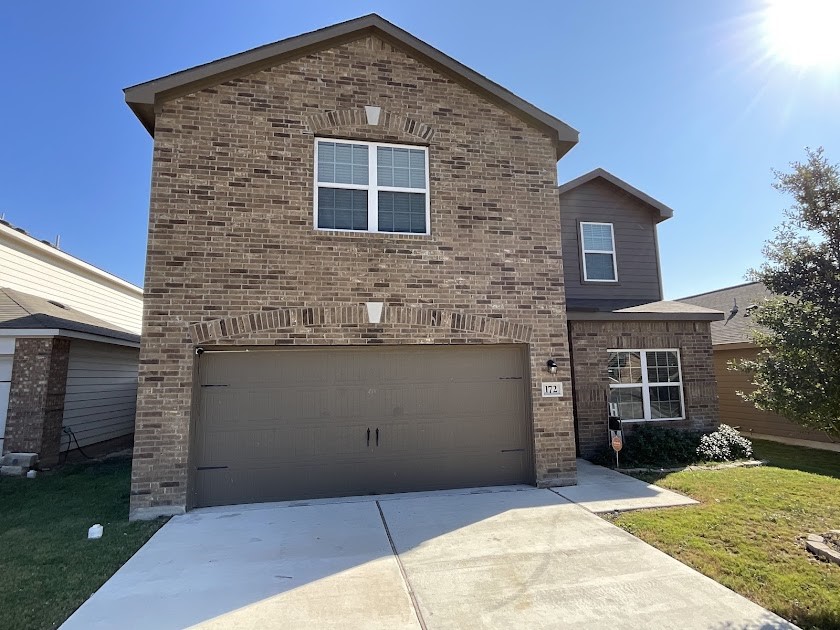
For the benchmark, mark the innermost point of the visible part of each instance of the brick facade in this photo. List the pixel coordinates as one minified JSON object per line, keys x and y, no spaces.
{"x":36,"y":397}
{"x":590,"y":341}
{"x":233,"y":258}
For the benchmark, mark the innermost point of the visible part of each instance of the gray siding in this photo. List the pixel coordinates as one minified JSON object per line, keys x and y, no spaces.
{"x":101,"y":391}
{"x":634,"y":227}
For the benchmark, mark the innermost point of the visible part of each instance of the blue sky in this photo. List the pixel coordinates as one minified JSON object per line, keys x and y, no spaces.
{"x":680,"y":99}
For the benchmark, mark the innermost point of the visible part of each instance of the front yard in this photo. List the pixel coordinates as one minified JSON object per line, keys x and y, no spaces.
{"x":746,"y":534}
{"x":47,"y":565}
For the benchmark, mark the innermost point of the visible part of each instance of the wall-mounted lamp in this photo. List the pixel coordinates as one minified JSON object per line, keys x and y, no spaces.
{"x":551,"y":364}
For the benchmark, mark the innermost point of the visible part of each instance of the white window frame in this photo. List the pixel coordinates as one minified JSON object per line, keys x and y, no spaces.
{"x":372,"y":187}
{"x":598,"y":251}
{"x":646,"y":385}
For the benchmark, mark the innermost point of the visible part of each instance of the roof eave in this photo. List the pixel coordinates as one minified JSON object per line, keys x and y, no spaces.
{"x":143,"y":97}
{"x":664,"y":211}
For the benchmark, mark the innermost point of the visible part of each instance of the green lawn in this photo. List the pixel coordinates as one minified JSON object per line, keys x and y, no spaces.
{"x":746,"y":532}
{"x":47,"y":565}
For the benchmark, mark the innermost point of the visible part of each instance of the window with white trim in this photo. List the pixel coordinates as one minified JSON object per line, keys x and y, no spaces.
{"x":598,"y":247}
{"x":646,"y":384}
{"x":371,"y":187}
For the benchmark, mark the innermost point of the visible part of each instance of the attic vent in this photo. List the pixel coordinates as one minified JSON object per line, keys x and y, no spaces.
{"x":58,"y":304}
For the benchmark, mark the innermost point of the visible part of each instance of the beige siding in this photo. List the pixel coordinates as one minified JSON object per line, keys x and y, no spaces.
{"x":737,"y":412}
{"x":101,"y":391}
{"x":31,"y":267}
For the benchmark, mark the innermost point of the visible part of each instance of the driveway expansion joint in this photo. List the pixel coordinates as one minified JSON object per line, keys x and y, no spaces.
{"x":403,"y":573}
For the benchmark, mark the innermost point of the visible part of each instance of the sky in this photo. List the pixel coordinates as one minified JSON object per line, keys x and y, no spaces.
{"x":687,"y":101}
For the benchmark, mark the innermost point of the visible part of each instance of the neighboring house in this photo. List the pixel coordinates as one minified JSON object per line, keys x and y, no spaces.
{"x":355,"y":283}
{"x":69,"y":339}
{"x":731,"y":341}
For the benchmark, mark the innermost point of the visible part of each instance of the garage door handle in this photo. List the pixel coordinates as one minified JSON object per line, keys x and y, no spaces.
{"x":377,"y":436}
{"x":368,"y":437}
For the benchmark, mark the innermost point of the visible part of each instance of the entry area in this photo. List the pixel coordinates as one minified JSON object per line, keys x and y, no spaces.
{"x":300,"y":423}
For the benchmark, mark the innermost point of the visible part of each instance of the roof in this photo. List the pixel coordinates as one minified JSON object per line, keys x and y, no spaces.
{"x":20,"y":310}
{"x":52,"y":252}
{"x":663,"y":310}
{"x":664,"y":211}
{"x":142,"y":98}
{"x":733,"y":329}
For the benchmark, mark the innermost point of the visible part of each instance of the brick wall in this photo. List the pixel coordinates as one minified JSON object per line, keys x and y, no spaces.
{"x":36,"y":397}
{"x":231,"y":242}
{"x":590,"y":341}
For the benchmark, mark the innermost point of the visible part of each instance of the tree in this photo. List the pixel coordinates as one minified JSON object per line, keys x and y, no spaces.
{"x":797,"y":370}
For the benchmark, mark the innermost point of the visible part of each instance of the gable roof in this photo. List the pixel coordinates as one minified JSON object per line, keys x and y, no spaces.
{"x":20,"y":310}
{"x":142,"y":98}
{"x":732,"y":329}
{"x":664,"y":211}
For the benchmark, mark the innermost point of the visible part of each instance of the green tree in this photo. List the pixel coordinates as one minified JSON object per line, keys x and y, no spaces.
{"x":797,"y":371}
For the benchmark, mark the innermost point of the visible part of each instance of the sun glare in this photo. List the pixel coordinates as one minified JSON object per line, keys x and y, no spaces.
{"x":804,"y":33}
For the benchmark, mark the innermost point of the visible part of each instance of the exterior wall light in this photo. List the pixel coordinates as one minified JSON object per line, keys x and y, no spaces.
{"x":551,"y":364}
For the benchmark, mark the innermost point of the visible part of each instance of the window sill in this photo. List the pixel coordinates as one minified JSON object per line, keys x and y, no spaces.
{"x":384,"y":233}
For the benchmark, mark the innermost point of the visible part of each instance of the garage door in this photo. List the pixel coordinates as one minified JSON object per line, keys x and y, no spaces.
{"x":275,"y":425}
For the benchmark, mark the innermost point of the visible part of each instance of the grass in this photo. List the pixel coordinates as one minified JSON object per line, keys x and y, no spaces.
{"x":746,"y":534}
{"x":47,"y":565}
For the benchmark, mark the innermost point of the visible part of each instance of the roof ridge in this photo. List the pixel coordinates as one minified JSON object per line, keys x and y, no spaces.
{"x":734,"y":286}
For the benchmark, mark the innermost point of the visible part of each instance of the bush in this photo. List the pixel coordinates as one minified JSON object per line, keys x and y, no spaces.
{"x":724,"y":445}
{"x":654,"y":446}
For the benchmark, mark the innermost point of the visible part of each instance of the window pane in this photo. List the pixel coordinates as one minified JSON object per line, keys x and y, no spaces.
{"x":343,"y":163}
{"x":342,"y":209}
{"x":402,"y":168}
{"x":625,"y":367}
{"x":629,"y":401}
{"x":402,"y":212}
{"x":663,"y":367}
{"x":597,"y":237}
{"x":665,"y":402}
{"x":599,"y":266}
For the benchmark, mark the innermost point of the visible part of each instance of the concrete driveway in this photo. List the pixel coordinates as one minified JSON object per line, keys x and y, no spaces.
{"x":512,"y":557}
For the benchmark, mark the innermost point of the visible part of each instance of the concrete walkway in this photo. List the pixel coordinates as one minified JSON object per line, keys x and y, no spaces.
{"x":513,"y":557}
{"x":602,"y":490}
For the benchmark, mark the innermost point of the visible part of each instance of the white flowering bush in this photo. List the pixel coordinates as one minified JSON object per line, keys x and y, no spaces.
{"x":724,"y":445}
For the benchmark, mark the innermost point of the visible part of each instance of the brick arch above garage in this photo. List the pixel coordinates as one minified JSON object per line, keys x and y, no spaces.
{"x":298,"y":323}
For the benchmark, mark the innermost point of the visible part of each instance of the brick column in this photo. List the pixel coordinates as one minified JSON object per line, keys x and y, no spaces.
{"x":36,"y":397}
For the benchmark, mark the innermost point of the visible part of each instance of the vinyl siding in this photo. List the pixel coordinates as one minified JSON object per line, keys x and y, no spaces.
{"x":634,"y":229}
{"x":101,"y":392}
{"x":32,"y":271}
{"x":737,"y":412}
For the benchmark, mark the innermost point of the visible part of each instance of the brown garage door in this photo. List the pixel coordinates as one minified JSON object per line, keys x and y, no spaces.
{"x":285,"y":424}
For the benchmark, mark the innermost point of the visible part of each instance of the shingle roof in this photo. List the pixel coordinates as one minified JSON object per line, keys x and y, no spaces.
{"x":144,"y":97}
{"x":732,"y":329}
{"x":22,"y":310}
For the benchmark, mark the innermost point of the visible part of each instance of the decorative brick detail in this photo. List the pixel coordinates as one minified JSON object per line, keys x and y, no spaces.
{"x":36,"y":397}
{"x":335,"y":121}
{"x":590,"y":342}
{"x":233,"y":258}
{"x":311,"y":317}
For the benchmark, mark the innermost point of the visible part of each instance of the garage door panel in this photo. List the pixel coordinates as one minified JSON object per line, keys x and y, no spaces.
{"x":292,"y":423}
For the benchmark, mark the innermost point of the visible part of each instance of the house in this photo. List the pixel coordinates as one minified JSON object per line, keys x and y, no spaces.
{"x":731,"y":341}
{"x":356,"y":283}
{"x":69,"y":347}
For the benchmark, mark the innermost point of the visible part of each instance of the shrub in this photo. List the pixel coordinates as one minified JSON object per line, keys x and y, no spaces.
{"x":655,"y":446}
{"x":724,"y":445}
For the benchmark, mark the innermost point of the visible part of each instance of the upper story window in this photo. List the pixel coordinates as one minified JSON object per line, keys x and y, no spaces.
{"x":598,"y":246}
{"x":371,"y":187}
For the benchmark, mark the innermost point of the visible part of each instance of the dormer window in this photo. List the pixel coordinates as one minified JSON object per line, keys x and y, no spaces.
{"x":598,"y":252}
{"x":371,"y":187}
